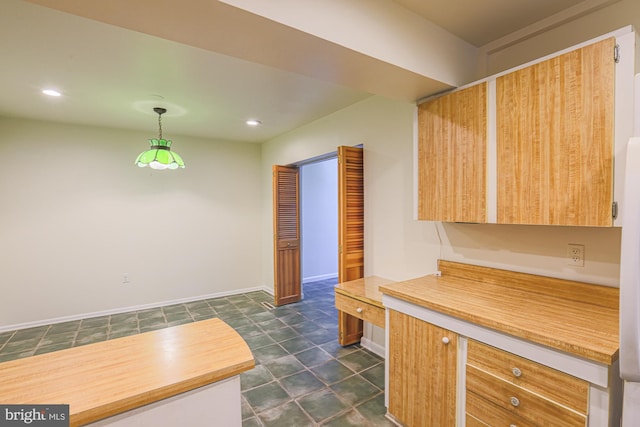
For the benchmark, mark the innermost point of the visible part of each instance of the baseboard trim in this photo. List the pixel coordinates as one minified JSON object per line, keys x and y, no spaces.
{"x":130,"y":308}
{"x":319,"y":277}
{"x":372,"y":346}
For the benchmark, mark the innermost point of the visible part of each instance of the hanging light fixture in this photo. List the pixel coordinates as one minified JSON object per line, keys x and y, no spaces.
{"x":160,"y":156}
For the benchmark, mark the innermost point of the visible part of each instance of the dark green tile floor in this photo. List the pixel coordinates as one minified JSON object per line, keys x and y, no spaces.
{"x":302,"y":376}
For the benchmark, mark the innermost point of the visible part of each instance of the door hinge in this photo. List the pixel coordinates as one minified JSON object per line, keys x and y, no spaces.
{"x":614,"y":210}
{"x":616,"y":53}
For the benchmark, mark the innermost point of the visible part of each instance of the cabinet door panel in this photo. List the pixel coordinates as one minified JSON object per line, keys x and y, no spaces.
{"x":452,"y":156}
{"x":555,"y":140}
{"x":422,"y":372}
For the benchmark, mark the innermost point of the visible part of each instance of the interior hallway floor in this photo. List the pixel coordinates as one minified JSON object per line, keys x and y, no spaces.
{"x":302,"y":376}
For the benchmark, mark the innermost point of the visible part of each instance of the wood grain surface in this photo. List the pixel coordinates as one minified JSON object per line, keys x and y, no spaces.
{"x":578,"y":318}
{"x":553,"y":385}
{"x":555,"y":139}
{"x":362,"y":310}
{"x":422,"y":372}
{"x":521,"y":402}
{"x":366,"y":289}
{"x":482,"y":413}
{"x":452,"y":156}
{"x":350,"y":213}
{"x":286,"y":238}
{"x":103,"y":379}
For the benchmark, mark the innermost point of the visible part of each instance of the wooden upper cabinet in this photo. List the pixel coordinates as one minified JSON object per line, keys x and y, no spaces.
{"x":452,"y":156}
{"x":554,"y":130}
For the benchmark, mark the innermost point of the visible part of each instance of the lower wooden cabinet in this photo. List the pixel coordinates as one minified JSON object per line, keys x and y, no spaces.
{"x":481,"y":413}
{"x":484,"y":347}
{"x":437,"y":377}
{"x":422,"y":372}
{"x":505,"y":389}
{"x":518,"y":403}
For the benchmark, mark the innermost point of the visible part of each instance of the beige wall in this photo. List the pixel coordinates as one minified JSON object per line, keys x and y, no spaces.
{"x":384,"y":30}
{"x":602,"y":21}
{"x":398,"y":247}
{"x":536,"y":249}
{"x":76,"y":214}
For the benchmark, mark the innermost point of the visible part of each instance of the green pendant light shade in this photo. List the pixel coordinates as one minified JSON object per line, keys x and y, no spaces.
{"x":159,"y":156}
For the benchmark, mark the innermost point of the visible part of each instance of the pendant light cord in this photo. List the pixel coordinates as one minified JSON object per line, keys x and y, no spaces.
{"x":160,"y":111}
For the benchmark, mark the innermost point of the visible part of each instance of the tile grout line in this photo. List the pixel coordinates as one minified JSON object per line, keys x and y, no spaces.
{"x":241,"y":309}
{"x":326,"y":387}
{"x":35,"y":349}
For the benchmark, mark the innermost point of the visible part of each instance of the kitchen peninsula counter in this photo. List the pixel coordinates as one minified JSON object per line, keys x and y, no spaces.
{"x":118,"y":377}
{"x":498,"y":347}
{"x":573,"y":317}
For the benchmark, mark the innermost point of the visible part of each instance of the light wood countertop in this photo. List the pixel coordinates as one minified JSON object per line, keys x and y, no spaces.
{"x":366,"y":289}
{"x":107,"y":378}
{"x":575,"y":317}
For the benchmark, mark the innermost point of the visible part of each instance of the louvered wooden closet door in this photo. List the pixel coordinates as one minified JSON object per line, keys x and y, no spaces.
{"x":350,"y":233}
{"x":350,"y":213}
{"x":286,"y":228}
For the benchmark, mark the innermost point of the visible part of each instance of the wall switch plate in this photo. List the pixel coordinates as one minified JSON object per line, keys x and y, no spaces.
{"x":575,"y":255}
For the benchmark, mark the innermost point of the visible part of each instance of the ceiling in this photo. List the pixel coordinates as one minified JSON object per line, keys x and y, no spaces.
{"x":112,"y":76}
{"x":481,"y":22}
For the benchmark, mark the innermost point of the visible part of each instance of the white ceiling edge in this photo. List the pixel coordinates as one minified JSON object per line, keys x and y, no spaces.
{"x":228,"y":30}
{"x":549,"y":23}
{"x":381,"y":29}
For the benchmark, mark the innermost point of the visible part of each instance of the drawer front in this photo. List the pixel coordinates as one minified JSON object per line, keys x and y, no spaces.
{"x":482,"y":413}
{"x":471,"y":421}
{"x":529,"y":406}
{"x":362,"y":310}
{"x":548,"y":382}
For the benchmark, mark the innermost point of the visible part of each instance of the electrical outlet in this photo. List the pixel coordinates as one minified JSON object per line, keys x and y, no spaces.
{"x":575,"y":255}
{"x":125,"y":279}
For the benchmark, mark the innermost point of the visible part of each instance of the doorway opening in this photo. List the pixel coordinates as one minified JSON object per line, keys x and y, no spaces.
{"x":287,"y":230}
{"x":319,"y":226}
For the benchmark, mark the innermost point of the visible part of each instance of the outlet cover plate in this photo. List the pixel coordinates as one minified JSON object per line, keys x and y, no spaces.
{"x":575,"y":255}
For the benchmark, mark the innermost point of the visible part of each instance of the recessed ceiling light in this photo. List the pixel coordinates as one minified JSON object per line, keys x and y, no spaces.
{"x":51,"y":92}
{"x":253,"y":122}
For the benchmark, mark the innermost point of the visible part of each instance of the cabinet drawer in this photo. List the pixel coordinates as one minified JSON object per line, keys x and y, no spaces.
{"x":481,"y":413}
{"x":471,"y":421}
{"x":362,"y":310}
{"x":550,"y":383}
{"x":529,"y":406}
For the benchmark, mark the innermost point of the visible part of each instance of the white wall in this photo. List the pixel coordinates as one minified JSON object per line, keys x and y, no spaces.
{"x":76,"y":214}
{"x":319,"y":219}
{"x":602,"y":21}
{"x":398,"y":247}
{"x":383,"y":30}
{"x":536,"y":249}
